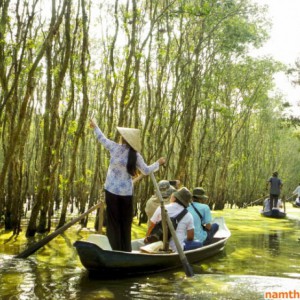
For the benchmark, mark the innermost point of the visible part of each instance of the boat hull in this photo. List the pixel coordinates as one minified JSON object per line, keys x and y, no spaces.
{"x":109,"y":263}
{"x":117,"y":263}
{"x":275,"y":213}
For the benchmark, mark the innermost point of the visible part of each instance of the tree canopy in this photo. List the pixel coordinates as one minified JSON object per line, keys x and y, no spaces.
{"x":180,"y":70}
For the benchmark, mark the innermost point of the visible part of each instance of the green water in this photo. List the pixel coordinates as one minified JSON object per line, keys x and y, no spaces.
{"x":261,"y":256}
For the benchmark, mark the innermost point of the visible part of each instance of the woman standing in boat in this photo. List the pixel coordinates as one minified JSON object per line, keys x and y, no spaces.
{"x":125,"y":159}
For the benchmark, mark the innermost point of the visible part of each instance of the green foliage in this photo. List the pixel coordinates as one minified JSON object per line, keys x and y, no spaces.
{"x":181,"y":73}
{"x":63,"y":182}
{"x":72,"y":127}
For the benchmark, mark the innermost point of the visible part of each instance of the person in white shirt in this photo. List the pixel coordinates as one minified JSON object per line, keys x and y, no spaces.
{"x":297,"y":192}
{"x":153,"y":203}
{"x":185,"y":229}
{"x":266,"y":205}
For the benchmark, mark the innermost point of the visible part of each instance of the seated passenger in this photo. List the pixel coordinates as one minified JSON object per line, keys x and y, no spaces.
{"x":175,"y":183}
{"x":166,"y":190}
{"x":185,"y":229}
{"x":204,"y":230}
{"x":279,"y":204}
{"x":297,"y":192}
{"x":266,"y":205}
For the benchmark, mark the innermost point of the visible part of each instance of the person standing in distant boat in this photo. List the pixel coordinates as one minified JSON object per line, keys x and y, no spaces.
{"x":297,"y":192}
{"x":275,"y":185}
{"x":125,"y":159}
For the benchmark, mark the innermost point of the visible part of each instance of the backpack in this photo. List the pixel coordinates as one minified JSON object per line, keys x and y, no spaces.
{"x":157,"y":231}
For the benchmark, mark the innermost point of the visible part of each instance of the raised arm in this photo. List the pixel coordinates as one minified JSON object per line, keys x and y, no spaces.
{"x":107,"y":143}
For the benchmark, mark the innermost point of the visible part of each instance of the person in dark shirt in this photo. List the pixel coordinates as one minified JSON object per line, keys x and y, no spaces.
{"x":275,"y":185}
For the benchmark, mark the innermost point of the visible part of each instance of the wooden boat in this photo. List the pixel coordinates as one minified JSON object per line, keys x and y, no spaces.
{"x":100,"y":260}
{"x":274,"y":213}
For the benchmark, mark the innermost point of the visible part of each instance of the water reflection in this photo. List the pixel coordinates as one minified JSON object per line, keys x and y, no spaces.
{"x":176,"y":286}
{"x":273,"y":243}
{"x":60,"y":283}
{"x":17,"y":274}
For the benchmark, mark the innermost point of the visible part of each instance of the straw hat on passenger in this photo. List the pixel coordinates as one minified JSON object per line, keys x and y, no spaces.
{"x":132,"y":136}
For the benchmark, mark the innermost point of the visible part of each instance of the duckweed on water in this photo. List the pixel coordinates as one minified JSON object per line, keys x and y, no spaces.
{"x":261,"y":254}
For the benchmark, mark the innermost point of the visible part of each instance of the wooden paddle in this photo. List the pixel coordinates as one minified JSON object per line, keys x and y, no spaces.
{"x":186,"y":266}
{"x":51,"y":236}
{"x":288,"y":199}
{"x":284,"y":209}
{"x":251,"y":203}
{"x":32,"y":249}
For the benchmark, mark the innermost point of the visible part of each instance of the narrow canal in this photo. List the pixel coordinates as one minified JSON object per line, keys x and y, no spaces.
{"x":260,"y":261}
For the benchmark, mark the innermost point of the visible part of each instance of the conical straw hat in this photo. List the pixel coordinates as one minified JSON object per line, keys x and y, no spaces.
{"x":132,"y":137}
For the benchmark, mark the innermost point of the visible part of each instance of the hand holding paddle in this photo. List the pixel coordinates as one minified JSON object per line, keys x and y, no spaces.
{"x":162,"y":161}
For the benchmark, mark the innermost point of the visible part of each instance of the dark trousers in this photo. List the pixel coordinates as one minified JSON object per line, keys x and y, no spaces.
{"x":119,"y":212}
{"x":210,"y":234}
{"x":273,"y":200}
